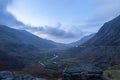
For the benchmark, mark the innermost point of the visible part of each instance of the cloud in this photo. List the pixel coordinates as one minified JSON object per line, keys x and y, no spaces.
{"x":52,"y":33}
{"x":49,"y":32}
{"x":7,"y":18}
{"x":104,"y":11}
{"x":4,"y":4}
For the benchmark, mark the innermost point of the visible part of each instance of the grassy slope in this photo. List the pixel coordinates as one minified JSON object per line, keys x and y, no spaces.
{"x":113,"y":73}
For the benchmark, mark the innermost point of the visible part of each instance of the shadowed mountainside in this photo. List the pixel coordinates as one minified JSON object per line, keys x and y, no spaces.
{"x":82,"y":40}
{"x":104,"y":48}
{"x":18,"y":47}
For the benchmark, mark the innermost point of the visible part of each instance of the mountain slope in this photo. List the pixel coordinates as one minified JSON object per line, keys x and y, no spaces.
{"x":19,"y":48}
{"x":8,"y":62}
{"x":21,"y":36}
{"x":81,"y":41}
{"x":109,"y":34}
{"x":104,"y":48}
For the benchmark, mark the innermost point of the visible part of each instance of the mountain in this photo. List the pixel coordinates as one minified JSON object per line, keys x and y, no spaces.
{"x":9,"y":62}
{"x":81,"y":41}
{"x":104,"y":48}
{"x":19,"y":48}
{"x":108,"y":35}
{"x":20,"y":36}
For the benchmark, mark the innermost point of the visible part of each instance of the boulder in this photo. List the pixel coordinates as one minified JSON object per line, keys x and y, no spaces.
{"x":6,"y":74}
{"x":82,"y":72}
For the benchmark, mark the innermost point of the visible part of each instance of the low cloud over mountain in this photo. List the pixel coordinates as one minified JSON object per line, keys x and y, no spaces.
{"x":49,"y":32}
{"x":72,"y":31}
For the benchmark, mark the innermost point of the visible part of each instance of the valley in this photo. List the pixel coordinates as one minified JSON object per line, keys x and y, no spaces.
{"x":59,"y":40}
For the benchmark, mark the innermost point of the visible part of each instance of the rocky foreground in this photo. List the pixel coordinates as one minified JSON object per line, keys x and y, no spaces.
{"x":7,"y":75}
{"x":83,"y":72}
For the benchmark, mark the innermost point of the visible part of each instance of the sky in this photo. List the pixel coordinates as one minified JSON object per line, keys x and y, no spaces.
{"x":62,"y":21}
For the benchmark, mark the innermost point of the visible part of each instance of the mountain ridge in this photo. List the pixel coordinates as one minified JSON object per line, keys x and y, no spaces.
{"x":82,"y":40}
{"x":20,"y":48}
{"x":27,"y":38}
{"x":104,"y":48}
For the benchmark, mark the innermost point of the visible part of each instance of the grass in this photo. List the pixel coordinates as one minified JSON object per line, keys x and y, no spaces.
{"x":69,"y":60}
{"x":42,"y":72}
{"x":112,"y":74}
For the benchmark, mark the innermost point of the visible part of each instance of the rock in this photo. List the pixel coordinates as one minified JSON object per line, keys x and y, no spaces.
{"x":82,"y":72}
{"x":8,"y":79}
{"x":39,"y":79}
{"x":6,"y":74}
{"x":26,"y":77}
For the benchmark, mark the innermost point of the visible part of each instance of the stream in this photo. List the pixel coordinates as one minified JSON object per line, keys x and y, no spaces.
{"x":51,"y":59}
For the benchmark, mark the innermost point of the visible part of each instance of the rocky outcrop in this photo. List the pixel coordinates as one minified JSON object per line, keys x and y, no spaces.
{"x":82,"y":72}
{"x":7,"y":75}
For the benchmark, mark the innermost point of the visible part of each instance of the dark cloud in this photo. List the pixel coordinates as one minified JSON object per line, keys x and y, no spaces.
{"x":52,"y":32}
{"x":4,"y":4}
{"x":7,"y":18}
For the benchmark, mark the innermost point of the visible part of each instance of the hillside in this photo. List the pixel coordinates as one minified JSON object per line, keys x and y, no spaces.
{"x":82,"y":40}
{"x":104,"y":48}
{"x":20,"y":36}
{"x":108,"y":35}
{"x":19,"y":48}
{"x":113,"y":73}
